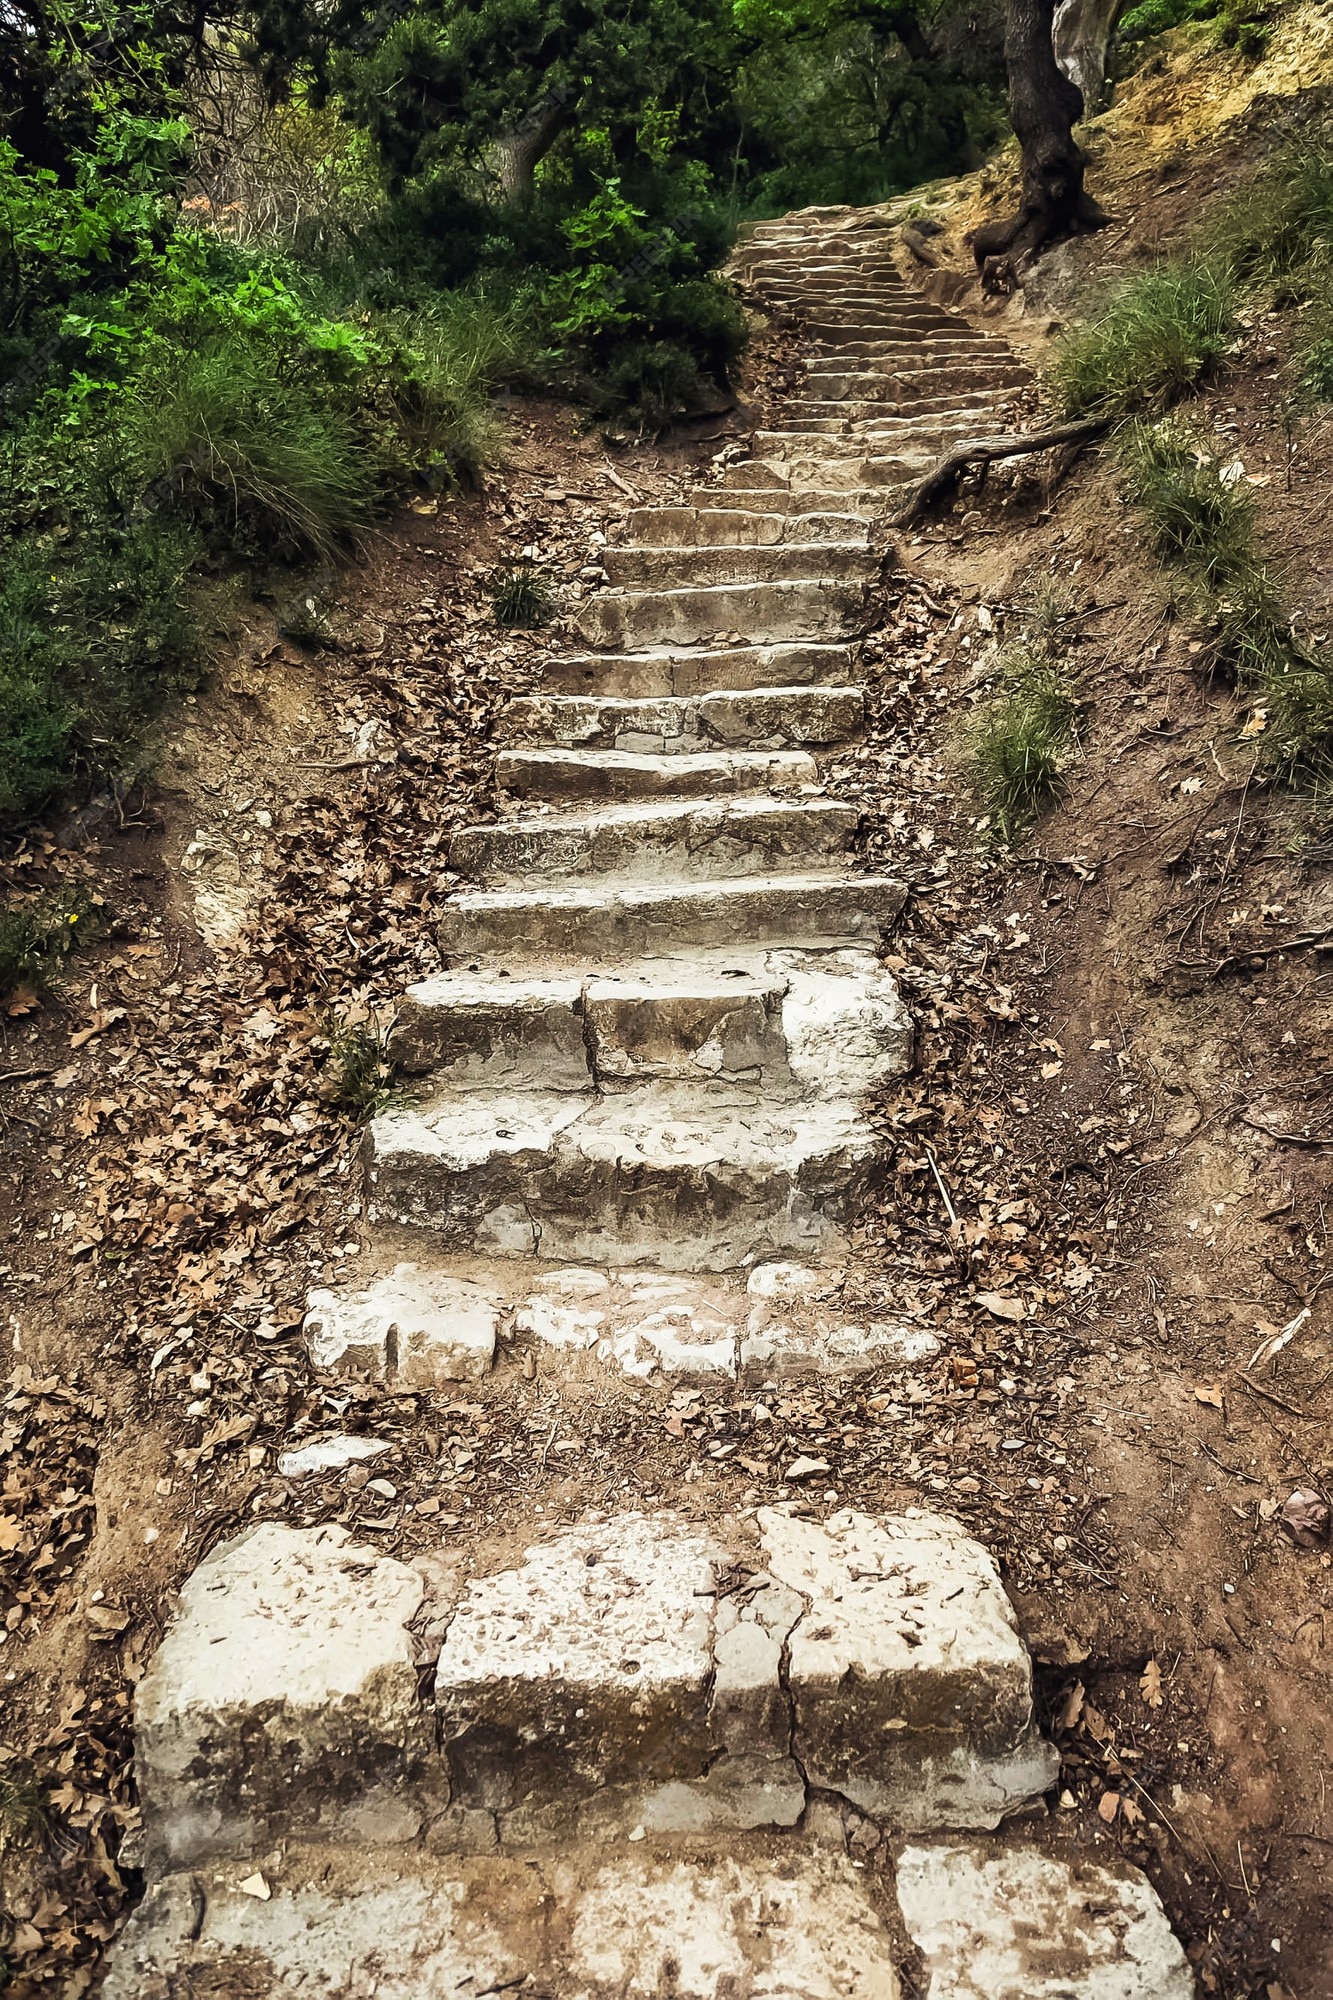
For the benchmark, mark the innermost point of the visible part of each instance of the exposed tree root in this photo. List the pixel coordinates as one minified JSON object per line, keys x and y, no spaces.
{"x":943,"y":478}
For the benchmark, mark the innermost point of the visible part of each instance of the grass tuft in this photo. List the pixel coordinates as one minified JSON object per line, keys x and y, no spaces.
{"x":359,"y":1071}
{"x":1277,"y":230}
{"x":1202,"y":520}
{"x":23,"y":1807}
{"x":523,"y":598}
{"x":1155,"y":340}
{"x":1018,"y":743}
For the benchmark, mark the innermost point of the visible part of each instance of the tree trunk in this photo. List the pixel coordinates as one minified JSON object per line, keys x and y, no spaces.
{"x":1044,"y":107}
{"x":518,"y":152}
{"x":1081,"y":37}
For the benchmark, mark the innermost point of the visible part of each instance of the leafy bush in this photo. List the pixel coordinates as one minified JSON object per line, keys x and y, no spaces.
{"x":1156,"y":339}
{"x":36,"y":937}
{"x":359,"y":1073}
{"x":1018,"y":742}
{"x":1241,"y":24}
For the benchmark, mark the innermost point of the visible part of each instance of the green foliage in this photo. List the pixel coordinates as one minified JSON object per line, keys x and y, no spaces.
{"x":23,"y":1798}
{"x":1018,"y":742}
{"x":1202,"y":520}
{"x":1240,"y":24}
{"x":358,"y":1071}
{"x":522,"y":597}
{"x":1155,"y":339}
{"x":94,"y":635}
{"x":36,"y":938}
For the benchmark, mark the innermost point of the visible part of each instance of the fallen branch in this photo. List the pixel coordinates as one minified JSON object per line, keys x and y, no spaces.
{"x":985,"y":451}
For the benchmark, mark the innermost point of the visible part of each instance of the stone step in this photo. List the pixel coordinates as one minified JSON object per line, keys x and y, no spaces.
{"x":601,"y":926}
{"x":606,"y":1682}
{"x":703,"y":527}
{"x":792,"y":561}
{"x":663,"y":1174}
{"x":596,"y":1926}
{"x":686,"y":841}
{"x":858,"y":479}
{"x":771,"y":719}
{"x":830,"y":1022}
{"x":553,"y":773}
{"x":835,"y":416}
{"x":767,"y":613}
{"x":729,"y":669}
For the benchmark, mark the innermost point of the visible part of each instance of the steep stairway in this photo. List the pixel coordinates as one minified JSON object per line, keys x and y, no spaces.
{"x":637,"y":1756}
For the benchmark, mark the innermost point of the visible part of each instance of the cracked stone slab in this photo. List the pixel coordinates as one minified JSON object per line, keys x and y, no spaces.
{"x":751,"y":1925}
{"x":283,"y":1698}
{"x":410,"y":1328}
{"x":1014,"y":1923}
{"x":911,"y":1685}
{"x":586,"y":1668}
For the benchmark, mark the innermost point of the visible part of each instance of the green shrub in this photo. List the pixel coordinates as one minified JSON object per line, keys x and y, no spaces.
{"x":522,"y":597}
{"x":36,"y":938}
{"x":1019,"y":740}
{"x":359,"y":1071}
{"x":1156,"y":339}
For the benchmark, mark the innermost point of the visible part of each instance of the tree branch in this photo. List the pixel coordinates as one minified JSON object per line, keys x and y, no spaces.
{"x":984,"y":451}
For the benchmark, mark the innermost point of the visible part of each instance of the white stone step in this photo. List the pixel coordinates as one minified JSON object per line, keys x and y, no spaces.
{"x":683,"y":673}
{"x":610,"y":1681}
{"x":685,"y":840}
{"x":665,"y":1174}
{"x":675,"y":568}
{"x":769,"y":719}
{"x":557,"y":773}
{"x":821,"y":1022}
{"x":604,"y":925}
{"x":747,"y":1924}
{"x":702,"y":527}
{"x":764,"y":612}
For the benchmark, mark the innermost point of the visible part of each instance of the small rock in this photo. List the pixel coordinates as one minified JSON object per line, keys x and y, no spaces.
{"x":328,"y":1454}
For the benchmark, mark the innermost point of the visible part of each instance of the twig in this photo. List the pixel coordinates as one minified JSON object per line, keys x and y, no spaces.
{"x":1307,"y":941}
{"x":985,"y":451}
{"x":1286,"y":1138}
{"x":1269,"y":1396}
{"x":24,"y":1075}
{"x":1231,"y":1470}
{"x":944,"y":1192}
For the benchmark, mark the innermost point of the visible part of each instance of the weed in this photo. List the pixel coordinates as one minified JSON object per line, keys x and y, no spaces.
{"x":38,"y":936}
{"x":1156,"y":339}
{"x":217,"y":436}
{"x":359,"y":1071}
{"x":522,"y":597}
{"x":22,"y":1807}
{"x":1018,"y":742}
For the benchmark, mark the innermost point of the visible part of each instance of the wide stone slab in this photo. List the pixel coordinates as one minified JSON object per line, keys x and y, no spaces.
{"x":558,"y":773}
{"x":685,"y":671}
{"x":1016,"y":1923}
{"x":912,"y":1687}
{"x":755,"y":1924}
{"x":691,"y":840}
{"x":599,"y":924}
{"x":283,"y":1700}
{"x":771,"y":719}
{"x":763,"y":612}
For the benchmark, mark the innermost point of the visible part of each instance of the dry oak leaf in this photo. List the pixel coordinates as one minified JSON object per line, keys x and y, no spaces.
{"x":1150,"y":1685}
{"x":1002,"y":1305}
{"x":1209,"y":1393}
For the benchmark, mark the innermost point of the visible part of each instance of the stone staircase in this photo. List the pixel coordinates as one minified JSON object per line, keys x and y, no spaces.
{"x":791,"y":1759}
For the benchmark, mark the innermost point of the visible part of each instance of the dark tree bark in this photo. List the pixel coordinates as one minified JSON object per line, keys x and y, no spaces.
{"x":518,"y":152}
{"x":1044,"y":106}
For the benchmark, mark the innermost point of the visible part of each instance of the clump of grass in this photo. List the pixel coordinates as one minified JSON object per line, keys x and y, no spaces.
{"x":1277,"y":230}
{"x":216,"y":437}
{"x":1155,"y":340}
{"x":1019,"y":741}
{"x":522,"y":597}
{"x":38,"y":936}
{"x":359,"y":1073}
{"x":1202,"y":521}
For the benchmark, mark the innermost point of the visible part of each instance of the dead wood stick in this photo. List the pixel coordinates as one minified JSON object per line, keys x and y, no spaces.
{"x":985,"y":451}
